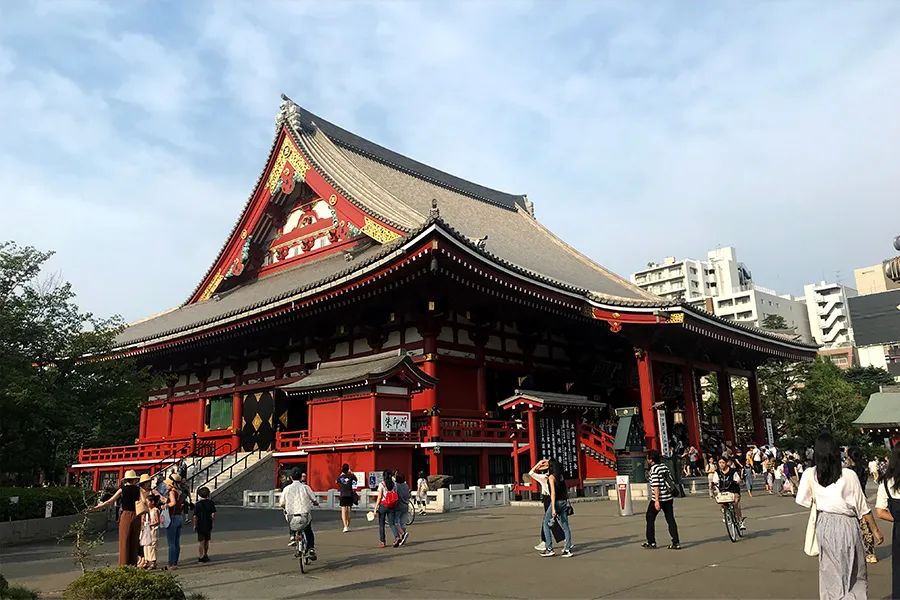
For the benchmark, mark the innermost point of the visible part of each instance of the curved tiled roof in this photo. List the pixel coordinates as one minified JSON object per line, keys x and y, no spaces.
{"x":400,"y":191}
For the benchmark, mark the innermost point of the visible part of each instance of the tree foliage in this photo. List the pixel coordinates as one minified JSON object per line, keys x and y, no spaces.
{"x":55,"y":395}
{"x":867,"y":380}
{"x":774,"y":322}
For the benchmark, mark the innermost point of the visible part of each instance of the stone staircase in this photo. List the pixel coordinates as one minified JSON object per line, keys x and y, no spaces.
{"x":219,"y":472}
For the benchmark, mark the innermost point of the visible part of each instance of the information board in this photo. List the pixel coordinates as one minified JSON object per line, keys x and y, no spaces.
{"x":557,"y":438}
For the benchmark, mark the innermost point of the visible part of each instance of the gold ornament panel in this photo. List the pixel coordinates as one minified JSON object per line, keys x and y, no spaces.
{"x":287,"y":153}
{"x":378,"y":232}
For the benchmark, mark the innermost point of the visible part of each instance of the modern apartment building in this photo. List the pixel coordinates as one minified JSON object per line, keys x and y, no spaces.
{"x":752,"y":306}
{"x":829,"y":313}
{"x":695,"y":280}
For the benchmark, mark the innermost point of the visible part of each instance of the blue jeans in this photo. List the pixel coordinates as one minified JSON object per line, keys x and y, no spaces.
{"x":389,"y":517}
{"x":173,"y":536}
{"x":563,"y":520}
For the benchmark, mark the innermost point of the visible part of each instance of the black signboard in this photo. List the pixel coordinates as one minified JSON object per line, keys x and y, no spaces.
{"x":557,"y":438}
{"x":876,"y":318}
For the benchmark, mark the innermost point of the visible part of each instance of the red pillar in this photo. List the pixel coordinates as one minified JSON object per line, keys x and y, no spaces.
{"x":169,"y":409}
{"x":201,"y":417}
{"x":484,"y":469}
{"x":532,"y":442}
{"x":727,"y":406}
{"x":648,"y":397}
{"x":142,"y":432}
{"x":96,"y":479}
{"x":691,"y":414}
{"x":756,"y":413}
{"x":236,"y":419}
{"x":481,"y":384}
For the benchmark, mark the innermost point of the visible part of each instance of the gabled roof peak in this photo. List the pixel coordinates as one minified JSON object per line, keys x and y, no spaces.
{"x":295,"y":116}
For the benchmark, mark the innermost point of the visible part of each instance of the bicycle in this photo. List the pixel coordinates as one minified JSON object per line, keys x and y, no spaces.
{"x":411,"y":513}
{"x":301,"y":550}
{"x":732,"y":526}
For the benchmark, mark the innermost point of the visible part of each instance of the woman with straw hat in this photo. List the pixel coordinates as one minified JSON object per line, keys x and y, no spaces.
{"x":129,"y":523}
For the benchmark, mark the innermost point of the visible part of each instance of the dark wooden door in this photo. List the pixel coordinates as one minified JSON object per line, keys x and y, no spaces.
{"x":258,"y":422}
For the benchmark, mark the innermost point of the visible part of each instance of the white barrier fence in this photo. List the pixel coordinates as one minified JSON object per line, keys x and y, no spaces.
{"x":439,"y":501}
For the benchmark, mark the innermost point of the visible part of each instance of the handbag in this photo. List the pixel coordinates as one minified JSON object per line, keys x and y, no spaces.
{"x":811,"y":543}
{"x":569,"y":510}
{"x":557,"y":531}
{"x":164,"y":518}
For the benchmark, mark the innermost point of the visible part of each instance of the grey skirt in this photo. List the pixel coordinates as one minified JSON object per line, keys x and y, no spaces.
{"x":842,"y":558}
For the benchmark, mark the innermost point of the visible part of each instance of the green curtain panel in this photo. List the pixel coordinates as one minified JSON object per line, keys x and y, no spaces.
{"x":220,"y":413}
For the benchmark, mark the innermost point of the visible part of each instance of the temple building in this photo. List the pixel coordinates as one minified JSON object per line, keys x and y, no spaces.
{"x":369,"y":309}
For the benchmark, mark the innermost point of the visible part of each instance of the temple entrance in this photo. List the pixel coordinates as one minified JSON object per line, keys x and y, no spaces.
{"x":463,"y":469}
{"x":262,"y":414}
{"x":500,"y":469}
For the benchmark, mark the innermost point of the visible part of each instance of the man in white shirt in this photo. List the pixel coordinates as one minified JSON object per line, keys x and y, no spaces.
{"x":297,"y":501}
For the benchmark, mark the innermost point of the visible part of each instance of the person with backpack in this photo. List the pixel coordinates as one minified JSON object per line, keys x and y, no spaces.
{"x":558,"y":510}
{"x":346,"y":483}
{"x":385,"y":506}
{"x":662,"y":498}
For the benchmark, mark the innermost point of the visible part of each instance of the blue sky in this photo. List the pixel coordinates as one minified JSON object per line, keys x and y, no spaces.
{"x":132,"y":132}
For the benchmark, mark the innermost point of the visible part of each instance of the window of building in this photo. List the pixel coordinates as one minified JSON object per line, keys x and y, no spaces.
{"x":218,"y":413}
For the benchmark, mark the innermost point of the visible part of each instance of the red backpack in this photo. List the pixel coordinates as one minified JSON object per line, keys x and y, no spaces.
{"x":390,"y":499}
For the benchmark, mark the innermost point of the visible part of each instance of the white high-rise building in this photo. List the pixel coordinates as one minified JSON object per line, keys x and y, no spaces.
{"x":754,"y":305}
{"x":694,"y":280}
{"x":829,"y":314}
{"x":724,"y":286}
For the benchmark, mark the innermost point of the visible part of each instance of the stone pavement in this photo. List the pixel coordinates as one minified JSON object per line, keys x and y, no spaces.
{"x":488,"y":553}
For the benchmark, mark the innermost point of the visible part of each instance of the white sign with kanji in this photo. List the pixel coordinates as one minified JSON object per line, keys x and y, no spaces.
{"x":395,"y":421}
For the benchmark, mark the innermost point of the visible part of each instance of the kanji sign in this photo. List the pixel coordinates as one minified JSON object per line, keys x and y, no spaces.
{"x":395,"y":421}
{"x":556,"y":438}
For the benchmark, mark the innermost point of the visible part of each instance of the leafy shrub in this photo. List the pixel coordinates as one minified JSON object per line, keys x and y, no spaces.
{"x":124,"y":583}
{"x":66,"y":501}
{"x":17,"y":592}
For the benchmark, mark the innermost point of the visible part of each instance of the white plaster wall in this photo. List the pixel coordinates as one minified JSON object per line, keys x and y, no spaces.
{"x":446,"y":334}
{"x":341,"y":350}
{"x":412,"y":335}
{"x":393,"y":339}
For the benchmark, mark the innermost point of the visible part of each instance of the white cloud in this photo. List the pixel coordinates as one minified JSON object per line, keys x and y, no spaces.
{"x":639,"y":130}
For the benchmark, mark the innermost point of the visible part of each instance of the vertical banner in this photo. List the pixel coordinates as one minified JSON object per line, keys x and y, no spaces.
{"x":664,"y":448}
{"x":769,"y":431}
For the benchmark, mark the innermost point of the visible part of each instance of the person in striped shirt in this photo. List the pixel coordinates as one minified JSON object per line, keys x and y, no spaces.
{"x":660,"y":500}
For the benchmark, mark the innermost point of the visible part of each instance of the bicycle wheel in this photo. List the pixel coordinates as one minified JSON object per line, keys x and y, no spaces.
{"x":411,"y":513}
{"x":301,"y":551}
{"x":731,"y":523}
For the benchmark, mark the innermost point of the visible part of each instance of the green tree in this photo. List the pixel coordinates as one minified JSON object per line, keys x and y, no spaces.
{"x":867,"y":380}
{"x":779,"y":385}
{"x":55,"y":396}
{"x":826,"y":401}
{"x":774,"y":322}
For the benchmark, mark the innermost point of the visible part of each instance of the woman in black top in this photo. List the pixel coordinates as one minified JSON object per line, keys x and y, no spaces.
{"x":129,"y":523}
{"x":558,"y":509}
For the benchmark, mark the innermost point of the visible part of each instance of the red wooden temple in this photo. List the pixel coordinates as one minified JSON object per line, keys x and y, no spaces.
{"x":370,"y":309}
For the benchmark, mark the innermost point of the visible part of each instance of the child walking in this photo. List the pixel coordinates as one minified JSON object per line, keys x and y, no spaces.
{"x":150,"y":533}
{"x":422,"y":492}
{"x":204,"y":517}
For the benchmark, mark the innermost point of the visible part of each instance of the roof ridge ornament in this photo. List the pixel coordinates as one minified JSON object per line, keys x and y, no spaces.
{"x":435,"y":211}
{"x":288,"y":114}
{"x":529,"y":205}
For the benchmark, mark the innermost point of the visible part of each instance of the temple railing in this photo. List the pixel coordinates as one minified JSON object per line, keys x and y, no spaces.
{"x":452,"y":429}
{"x":208,"y":444}
{"x":481,"y":430}
{"x":287,"y":441}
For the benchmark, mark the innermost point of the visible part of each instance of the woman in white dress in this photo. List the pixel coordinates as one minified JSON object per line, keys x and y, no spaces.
{"x":841,"y":504}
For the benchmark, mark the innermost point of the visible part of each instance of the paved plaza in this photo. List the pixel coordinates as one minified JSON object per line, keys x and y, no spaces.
{"x":488,"y":554}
